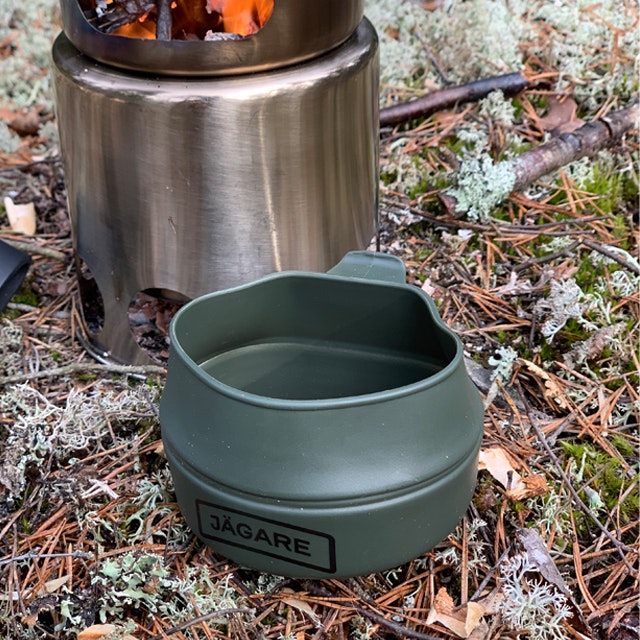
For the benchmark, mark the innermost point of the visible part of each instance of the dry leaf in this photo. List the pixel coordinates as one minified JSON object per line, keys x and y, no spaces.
{"x":300,"y":605}
{"x":96,"y":632}
{"x":499,"y":464}
{"x":428,"y":287}
{"x":26,"y":123}
{"x":536,"y":485}
{"x":22,"y":217}
{"x":492,"y":601}
{"x":463,"y":621}
{"x":481,"y":632}
{"x":54,"y":585}
{"x":443,"y":602}
{"x":31,"y":619}
{"x":560,"y":116}
{"x":539,"y":557}
{"x":550,"y":388}
{"x":101,"y":631}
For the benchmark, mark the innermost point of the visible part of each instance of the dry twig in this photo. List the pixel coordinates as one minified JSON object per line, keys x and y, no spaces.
{"x":510,"y":84}
{"x":618,"y":544}
{"x":85,"y":367}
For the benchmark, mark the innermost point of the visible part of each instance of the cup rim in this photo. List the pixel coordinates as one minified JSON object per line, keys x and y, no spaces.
{"x":177,"y":351}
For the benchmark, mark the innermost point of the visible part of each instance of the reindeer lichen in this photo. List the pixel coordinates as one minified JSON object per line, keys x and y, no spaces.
{"x":25,"y":78}
{"x":531,"y":605}
{"x":566,"y":300}
{"x":41,"y":429}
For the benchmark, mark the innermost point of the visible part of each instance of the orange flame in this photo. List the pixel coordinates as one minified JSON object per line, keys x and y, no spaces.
{"x":243,"y":17}
{"x":195,"y":17}
{"x":140,"y":28}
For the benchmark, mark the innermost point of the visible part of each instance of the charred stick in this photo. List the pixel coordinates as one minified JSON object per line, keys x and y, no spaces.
{"x":163,"y":21}
{"x":510,"y":84}
{"x":111,"y":16}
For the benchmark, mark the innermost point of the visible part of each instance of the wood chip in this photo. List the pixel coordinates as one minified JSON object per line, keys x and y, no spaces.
{"x":22,"y":217}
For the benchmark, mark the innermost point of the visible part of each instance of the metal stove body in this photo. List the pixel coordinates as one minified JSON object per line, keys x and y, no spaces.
{"x":189,"y":183}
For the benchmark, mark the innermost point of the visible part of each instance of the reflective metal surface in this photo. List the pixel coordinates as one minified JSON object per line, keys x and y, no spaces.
{"x":196,"y":185}
{"x":297,"y":30}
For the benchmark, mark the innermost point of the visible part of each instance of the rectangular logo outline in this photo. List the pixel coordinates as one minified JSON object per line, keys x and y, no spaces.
{"x":283,"y":525}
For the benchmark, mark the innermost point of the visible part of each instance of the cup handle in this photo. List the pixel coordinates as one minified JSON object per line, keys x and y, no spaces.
{"x":368,"y":265}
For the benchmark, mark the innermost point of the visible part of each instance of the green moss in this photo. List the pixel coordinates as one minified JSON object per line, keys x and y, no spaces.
{"x":589,"y":274}
{"x":574,"y":331}
{"x":606,"y":476}
{"x":620,"y":230}
{"x":548,"y":352}
{"x":612,"y":187}
{"x":10,"y":314}
{"x":623,"y":445}
{"x":26,"y":295}
{"x":388,"y":177}
{"x":418,"y":190}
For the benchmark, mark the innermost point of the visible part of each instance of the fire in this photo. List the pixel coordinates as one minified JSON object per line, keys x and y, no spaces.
{"x":243,"y":17}
{"x":192,"y":19}
{"x":140,"y":28}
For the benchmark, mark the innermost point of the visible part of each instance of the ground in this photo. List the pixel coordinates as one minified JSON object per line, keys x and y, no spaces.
{"x":540,"y":286}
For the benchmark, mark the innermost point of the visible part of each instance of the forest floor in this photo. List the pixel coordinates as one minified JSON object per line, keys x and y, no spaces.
{"x":541,"y":285}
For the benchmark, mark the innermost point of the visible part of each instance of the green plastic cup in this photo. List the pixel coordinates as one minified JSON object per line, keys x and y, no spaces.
{"x":320,"y":425}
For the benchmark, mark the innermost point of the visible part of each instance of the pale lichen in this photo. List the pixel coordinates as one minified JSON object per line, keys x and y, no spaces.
{"x":594,"y":47}
{"x":566,"y":300}
{"x":531,"y":605}
{"x":498,"y":108}
{"x":468,"y":40}
{"x":25,"y":79}
{"x":481,"y":186}
{"x":41,"y":429}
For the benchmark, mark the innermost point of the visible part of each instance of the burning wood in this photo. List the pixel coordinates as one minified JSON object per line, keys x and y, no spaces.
{"x":178,"y":19}
{"x":110,"y":15}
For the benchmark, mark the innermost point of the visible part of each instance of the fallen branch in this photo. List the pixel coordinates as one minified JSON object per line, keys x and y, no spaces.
{"x":40,"y":556}
{"x":30,"y":247}
{"x":85,"y":367}
{"x":213,"y":615}
{"x":614,"y":255}
{"x":569,"y":147}
{"x":510,"y":84}
{"x":488,"y":185}
{"x":567,"y":252}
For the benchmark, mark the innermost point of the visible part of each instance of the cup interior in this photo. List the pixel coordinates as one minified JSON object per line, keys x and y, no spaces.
{"x":314,"y":337}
